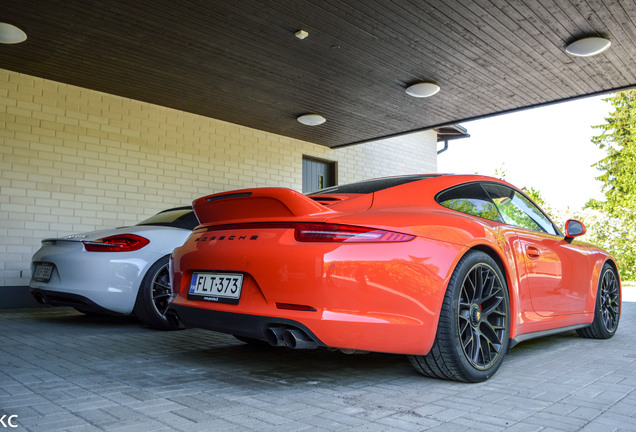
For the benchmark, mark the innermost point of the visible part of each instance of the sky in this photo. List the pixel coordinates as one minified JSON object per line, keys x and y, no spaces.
{"x":547,"y":148}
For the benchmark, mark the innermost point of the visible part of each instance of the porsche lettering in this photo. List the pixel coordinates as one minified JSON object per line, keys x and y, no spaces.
{"x":225,"y":237}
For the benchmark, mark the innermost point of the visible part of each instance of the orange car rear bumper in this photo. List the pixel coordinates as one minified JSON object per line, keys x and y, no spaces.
{"x":372,"y":297}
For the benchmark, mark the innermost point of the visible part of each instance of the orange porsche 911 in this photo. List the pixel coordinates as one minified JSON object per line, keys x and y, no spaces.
{"x":451,"y":270}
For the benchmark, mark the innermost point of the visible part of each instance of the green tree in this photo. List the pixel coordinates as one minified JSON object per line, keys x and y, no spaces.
{"x":617,"y":230}
{"x":615,"y":234}
{"x":618,"y":169}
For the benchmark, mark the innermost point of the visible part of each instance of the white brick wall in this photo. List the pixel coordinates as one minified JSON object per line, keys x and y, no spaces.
{"x":73,"y":160}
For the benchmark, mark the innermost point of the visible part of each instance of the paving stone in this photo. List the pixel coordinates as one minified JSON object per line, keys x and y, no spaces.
{"x":396,"y":423}
{"x":555,"y":421}
{"x":524,"y":427}
{"x":452,"y":427}
{"x":97,"y":417}
{"x":63,"y":371}
{"x":446,"y":414}
{"x":617,"y":421}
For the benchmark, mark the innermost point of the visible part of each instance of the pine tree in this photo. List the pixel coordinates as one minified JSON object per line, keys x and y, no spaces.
{"x":618,"y":169}
{"x":616,"y":230}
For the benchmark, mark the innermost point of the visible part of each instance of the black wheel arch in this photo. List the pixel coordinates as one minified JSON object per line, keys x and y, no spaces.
{"x":499,"y":261}
{"x":143,"y":277}
{"x":445,"y":360}
{"x":611,"y":262}
{"x":512,"y":297}
{"x":145,"y":309}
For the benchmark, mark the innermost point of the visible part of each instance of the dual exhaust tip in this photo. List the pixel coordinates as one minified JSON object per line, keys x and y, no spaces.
{"x":293,"y":338}
{"x":290,"y":337}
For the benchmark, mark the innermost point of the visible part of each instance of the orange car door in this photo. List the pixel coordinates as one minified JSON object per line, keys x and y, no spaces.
{"x":557,"y":273}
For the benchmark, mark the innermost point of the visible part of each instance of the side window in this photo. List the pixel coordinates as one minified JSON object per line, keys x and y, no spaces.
{"x":471,"y":199}
{"x":518,"y":210}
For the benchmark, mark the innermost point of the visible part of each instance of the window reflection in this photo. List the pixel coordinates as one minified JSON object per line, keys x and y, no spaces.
{"x":497,"y":202}
{"x":471,"y":199}
{"x":518,"y":210}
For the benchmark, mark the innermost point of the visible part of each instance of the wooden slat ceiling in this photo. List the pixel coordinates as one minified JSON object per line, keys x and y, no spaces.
{"x":239,"y":61}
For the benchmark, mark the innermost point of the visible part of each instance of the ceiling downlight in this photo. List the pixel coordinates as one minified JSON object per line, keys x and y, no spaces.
{"x":10,"y":34}
{"x":311,"y":119}
{"x":422,"y":89}
{"x":587,"y":47}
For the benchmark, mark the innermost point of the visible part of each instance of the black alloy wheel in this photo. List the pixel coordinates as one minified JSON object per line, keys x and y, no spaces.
{"x":154,"y":294}
{"x":482,"y":316}
{"x":607,"y":311}
{"x":161,"y":290}
{"x":473,"y":333}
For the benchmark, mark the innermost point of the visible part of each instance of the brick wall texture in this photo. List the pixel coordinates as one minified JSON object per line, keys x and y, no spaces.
{"x":74,"y":160}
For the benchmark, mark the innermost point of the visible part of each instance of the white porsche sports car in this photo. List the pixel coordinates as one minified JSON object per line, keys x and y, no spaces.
{"x":121,"y":270}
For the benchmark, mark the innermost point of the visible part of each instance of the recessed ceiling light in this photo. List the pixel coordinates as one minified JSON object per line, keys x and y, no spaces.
{"x":422,"y":89}
{"x":588,"y":46}
{"x":301,"y":34}
{"x":311,"y":119}
{"x":10,"y":34}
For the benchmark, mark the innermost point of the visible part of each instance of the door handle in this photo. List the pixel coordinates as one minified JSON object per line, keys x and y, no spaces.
{"x":533,"y":252}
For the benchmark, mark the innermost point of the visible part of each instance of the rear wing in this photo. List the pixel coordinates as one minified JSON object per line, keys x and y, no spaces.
{"x":259,"y":204}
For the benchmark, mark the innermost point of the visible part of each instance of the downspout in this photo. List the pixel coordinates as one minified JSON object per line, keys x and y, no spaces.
{"x":443,"y":149}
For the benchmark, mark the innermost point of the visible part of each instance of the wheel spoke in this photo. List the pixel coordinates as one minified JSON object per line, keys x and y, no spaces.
{"x":488,"y":286}
{"x":467,"y":339}
{"x":476,"y":348}
{"x":471,"y":344}
{"x":486,"y":352}
{"x":491,"y":333}
{"x":161,"y":290}
{"x":482,"y":316}
{"x":609,"y":299}
{"x":497,"y":303}
{"x":165,"y":286}
{"x":479,"y":288}
{"x":469,"y":296}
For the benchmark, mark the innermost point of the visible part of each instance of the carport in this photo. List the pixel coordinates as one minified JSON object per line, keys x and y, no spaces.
{"x":112,"y":111}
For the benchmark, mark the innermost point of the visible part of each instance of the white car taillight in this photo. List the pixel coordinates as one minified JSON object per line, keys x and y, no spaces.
{"x":116,"y":243}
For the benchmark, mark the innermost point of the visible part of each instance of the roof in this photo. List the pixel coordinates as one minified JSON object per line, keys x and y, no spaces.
{"x":240,"y":61}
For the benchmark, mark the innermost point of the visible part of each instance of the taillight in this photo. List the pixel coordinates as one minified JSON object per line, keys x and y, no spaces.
{"x":116,"y":243}
{"x":333,"y":233}
{"x":295,"y":307}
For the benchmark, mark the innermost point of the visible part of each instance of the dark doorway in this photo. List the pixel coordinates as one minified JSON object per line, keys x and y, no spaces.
{"x":318,"y":174}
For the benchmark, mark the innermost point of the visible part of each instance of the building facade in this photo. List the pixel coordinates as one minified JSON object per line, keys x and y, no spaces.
{"x":74,"y":160}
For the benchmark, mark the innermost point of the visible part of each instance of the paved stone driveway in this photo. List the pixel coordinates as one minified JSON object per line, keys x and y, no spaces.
{"x":62,"y":371}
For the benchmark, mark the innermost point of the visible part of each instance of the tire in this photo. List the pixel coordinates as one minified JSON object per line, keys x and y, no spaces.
{"x":607,"y":311}
{"x":153,"y":296}
{"x":473,"y":332}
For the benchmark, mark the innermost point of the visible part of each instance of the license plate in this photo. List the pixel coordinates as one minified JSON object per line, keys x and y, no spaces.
{"x":43,"y":272}
{"x":216,"y":287}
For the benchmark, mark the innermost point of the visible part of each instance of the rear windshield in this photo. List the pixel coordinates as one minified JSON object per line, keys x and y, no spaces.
{"x":182,"y":217}
{"x":369,"y":186}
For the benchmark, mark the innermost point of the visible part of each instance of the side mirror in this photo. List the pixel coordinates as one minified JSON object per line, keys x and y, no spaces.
{"x":574,"y":228}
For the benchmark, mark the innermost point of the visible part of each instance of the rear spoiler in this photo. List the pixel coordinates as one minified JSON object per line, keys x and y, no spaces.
{"x":259,"y":204}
